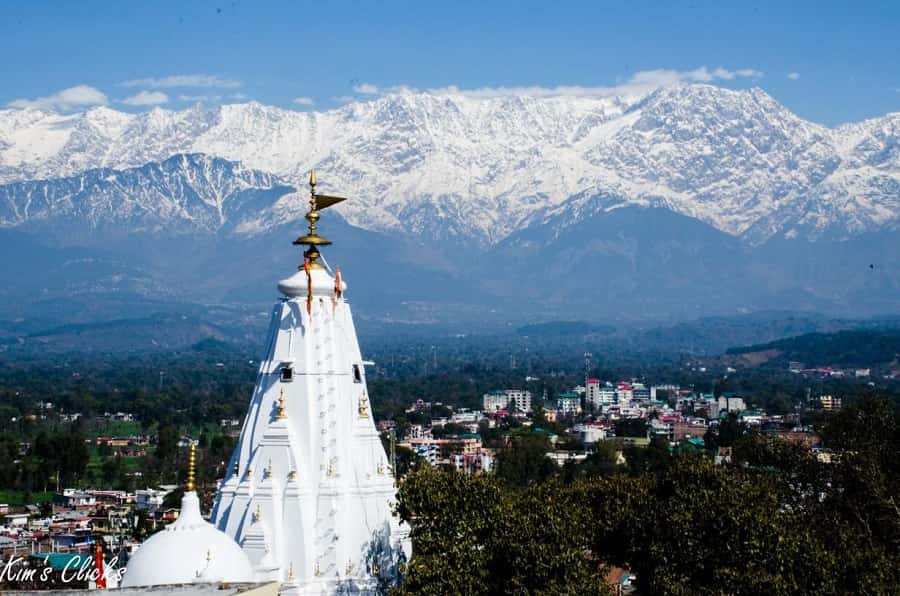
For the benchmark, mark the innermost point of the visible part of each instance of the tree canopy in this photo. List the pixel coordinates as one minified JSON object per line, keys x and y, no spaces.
{"x":777,"y":520}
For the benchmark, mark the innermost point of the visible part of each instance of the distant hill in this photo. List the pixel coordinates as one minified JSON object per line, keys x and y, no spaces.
{"x":561,"y":328}
{"x":844,"y":348}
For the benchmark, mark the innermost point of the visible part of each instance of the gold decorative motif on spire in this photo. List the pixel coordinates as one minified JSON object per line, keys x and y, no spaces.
{"x":257,"y":515}
{"x":192,"y":460}
{"x":330,"y":471}
{"x":282,"y":413}
{"x":290,"y":575}
{"x":318,"y":570}
{"x":292,"y":475}
{"x":363,"y":406}
{"x":312,"y":239}
{"x":349,"y":569}
{"x":269,"y":469}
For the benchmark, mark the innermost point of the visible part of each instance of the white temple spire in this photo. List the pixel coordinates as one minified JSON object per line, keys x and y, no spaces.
{"x":324,"y":494}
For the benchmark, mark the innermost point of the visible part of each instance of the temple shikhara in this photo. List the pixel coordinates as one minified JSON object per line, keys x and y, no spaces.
{"x":310,"y":491}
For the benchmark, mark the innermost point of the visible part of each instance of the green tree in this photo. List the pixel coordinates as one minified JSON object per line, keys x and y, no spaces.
{"x":475,"y":535}
{"x":696,"y":528}
{"x":524,"y":461}
{"x":166,"y":442}
{"x":725,"y":433}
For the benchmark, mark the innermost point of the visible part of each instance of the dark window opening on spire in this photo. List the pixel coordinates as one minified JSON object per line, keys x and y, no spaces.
{"x":357,"y":374}
{"x":287,"y":374}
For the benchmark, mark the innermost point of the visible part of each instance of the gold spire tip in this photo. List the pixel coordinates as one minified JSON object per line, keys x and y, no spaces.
{"x":192,"y":461}
{"x":312,"y":239}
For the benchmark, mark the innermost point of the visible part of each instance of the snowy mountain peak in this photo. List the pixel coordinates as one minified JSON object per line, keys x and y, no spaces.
{"x":452,"y":164}
{"x":182,"y":194}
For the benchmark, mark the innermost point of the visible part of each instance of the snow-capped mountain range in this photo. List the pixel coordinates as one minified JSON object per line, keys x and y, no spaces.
{"x":685,"y":202}
{"x":474,"y":168}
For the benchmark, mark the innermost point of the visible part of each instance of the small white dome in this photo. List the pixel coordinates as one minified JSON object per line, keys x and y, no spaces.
{"x":188,"y":551}
{"x":296,"y":285}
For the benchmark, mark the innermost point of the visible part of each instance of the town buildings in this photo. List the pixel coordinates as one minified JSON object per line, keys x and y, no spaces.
{"x":507,"y":399}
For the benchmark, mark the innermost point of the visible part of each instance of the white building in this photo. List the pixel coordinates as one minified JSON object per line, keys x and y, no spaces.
{"x":607,"y":395}
{"x":508,"y":399}
{"x":590,"y":433}
{"x":150,"y":499}
{"x":624,"y":394}
{"x":592,"y":397}
{"x":519,"y":399}
{"x":311,"y":493}
{"x":730,"y":404}
{"x":494,"y":400}
{"x":568,"y":404}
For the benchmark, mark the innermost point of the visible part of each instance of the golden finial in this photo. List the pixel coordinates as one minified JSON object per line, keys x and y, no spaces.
{"x":192,"y":460}
{"x":318,"y":570}
{"x":330,"y":471}
{"x":312,"y":239}
{"x":257,"y":515}
{"x":282,"y":413}
{"x":349,"y":569}
{"x":291,"y":571}
{"x":269,"y":469}
{"x":363,"y":406}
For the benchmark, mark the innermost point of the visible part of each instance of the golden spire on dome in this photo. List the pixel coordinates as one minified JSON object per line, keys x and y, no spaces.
{"x":192,"y":461}
{"x":312,"y":239}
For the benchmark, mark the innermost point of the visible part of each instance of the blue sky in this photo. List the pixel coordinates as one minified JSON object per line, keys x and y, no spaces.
{"x":829,"y":62}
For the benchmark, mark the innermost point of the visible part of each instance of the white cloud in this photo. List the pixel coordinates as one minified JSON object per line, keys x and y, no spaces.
{"x":71,"y":98}
{"x":365,"y":89}
{"x":303,"y":101}
{"x":147,"y":98}
{"x":793,"y":76}
{"x":638,"y":84}
{"x":200,"y":98}
{"x":191,"y":80}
